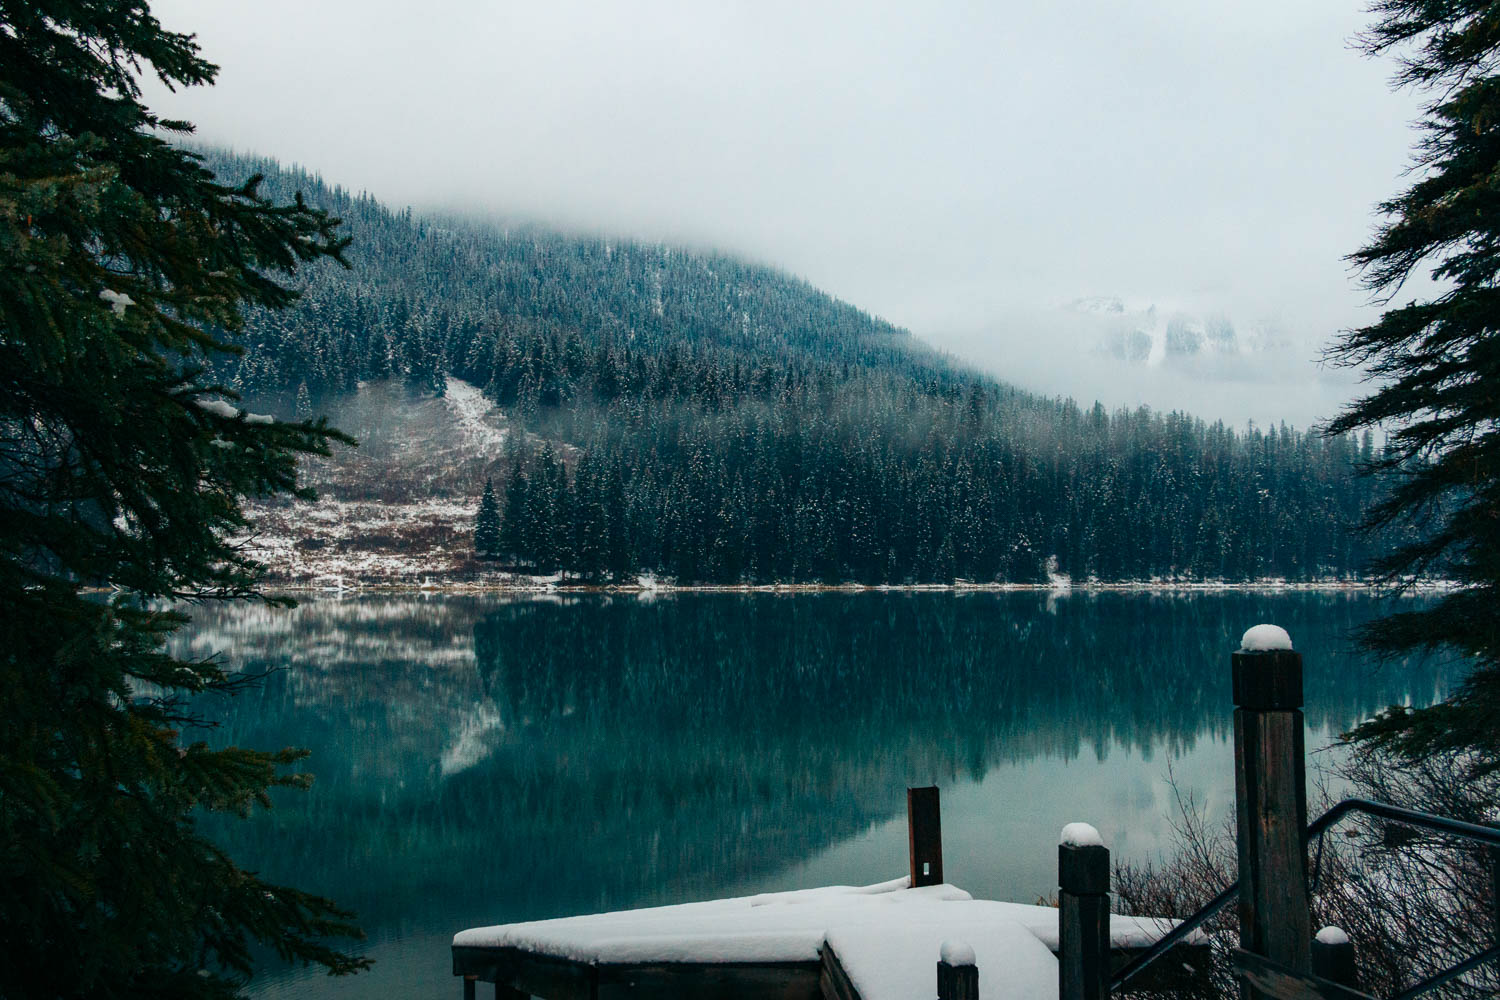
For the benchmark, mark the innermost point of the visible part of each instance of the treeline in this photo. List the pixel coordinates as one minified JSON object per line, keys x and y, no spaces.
{"x":712,"y":421}
{"x":930,"y":493}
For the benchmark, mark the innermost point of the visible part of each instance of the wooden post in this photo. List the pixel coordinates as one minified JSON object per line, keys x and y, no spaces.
{"x":1494,"y":853}
{"x":1083,"y":916}
{"x":1333,"y":958}
{"x":957,"y":975}
{"x":469,"y":987}
{"x":924,"y":831}
{"x":1270,"y":780}
{"x":1492,"y":856}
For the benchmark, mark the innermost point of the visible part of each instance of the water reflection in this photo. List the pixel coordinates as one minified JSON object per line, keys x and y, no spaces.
{"x":482,"y":760}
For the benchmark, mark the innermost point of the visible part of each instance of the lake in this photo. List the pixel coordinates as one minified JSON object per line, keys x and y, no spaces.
{"x":487,"y":759}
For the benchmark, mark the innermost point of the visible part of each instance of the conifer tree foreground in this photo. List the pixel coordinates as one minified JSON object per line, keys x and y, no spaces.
{"x":1436,"y":362}
{"x":122,"y":470}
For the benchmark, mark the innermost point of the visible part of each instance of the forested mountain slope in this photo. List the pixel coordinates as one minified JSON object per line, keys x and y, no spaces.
{"x":660,"y":411}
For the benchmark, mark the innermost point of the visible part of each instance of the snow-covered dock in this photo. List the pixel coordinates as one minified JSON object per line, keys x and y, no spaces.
{"x":869,"y":942}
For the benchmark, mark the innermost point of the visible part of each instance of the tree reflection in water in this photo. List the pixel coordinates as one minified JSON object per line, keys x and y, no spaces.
{"x":485,"y":759}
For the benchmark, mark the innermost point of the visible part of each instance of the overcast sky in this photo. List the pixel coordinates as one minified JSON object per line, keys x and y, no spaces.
{"x":962,"y":169}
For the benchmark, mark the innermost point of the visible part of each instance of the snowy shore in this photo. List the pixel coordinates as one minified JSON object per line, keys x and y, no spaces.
{"x":506,"y":583}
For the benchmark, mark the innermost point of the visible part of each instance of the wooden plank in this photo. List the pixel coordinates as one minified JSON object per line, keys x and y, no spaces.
{"x":1270,"y":776}
{"x":924,"y":830}
{"x":1271,"y":804}
{"x":1083,"y":922}
{"x":1334,"y":960}
{"x":528,"y":972}
{"x":957,"y":982}
{"x":833,"y":980}
{"x":1276,"y":980}
{"x":710,"y":980}
{"x":519,"y":973}
{"x":1266,"y":680}
{"x":1083,"y":952}
{"x":476,"y":962}
{"x":1494,"y":856}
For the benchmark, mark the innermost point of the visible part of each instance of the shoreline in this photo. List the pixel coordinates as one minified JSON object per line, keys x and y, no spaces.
{"x":546,"y":587}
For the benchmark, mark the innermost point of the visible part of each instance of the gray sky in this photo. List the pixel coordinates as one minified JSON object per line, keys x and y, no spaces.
{"x":963,"y":169}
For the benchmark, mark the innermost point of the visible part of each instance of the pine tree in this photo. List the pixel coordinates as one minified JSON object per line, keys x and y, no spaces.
{"x":123,"y":468}
{"x":513,"y":533}
{"x":487,"y":522}
{"x":1437,"y":364}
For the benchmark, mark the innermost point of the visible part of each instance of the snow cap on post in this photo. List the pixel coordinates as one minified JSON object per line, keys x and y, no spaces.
{"x":1263,"y":638}
{"x":1267,"y":672}
{"x":1333,"y":958}
{"x":957,"y":972}
{"x":1080,"y":835}
{"x":957,"y":953}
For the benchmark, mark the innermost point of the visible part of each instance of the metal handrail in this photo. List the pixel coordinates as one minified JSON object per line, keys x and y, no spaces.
{"x":1441,"y":824}
{"x":1448,"y":975}
{"x":1174,"y":937}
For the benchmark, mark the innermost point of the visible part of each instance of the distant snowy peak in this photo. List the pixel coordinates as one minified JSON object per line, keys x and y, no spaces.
{"x":1154,"y":333}
{"x":1103,"y":305}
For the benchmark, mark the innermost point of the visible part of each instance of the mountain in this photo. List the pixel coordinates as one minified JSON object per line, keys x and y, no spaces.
{"x":423,"y":287}
{"x":1156,"y":334}
{"x":651,"y":410}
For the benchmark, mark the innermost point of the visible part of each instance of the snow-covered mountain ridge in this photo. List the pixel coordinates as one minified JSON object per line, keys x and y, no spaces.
{"x":1152,"y":333}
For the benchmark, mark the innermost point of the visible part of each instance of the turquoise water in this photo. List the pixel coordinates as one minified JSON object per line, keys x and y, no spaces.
{"x":482,"y":760}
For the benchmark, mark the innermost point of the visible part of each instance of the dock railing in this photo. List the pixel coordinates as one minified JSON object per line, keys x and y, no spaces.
{"x":1314,"y":833}
{"x":1279,"y":958}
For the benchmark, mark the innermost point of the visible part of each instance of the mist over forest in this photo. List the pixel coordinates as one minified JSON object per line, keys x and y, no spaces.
{"x":684,"y":414}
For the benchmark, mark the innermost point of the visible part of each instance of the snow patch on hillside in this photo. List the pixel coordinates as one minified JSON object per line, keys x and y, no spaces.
{"x":470,"y":409}
{"x":397,"y":510}
{"x":413,"y":446}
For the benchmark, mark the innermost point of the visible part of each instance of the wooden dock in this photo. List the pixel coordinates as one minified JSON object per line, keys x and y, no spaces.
{"x":519,"y":972}
{"x":835,"y":942}
{"x":919,"y":937}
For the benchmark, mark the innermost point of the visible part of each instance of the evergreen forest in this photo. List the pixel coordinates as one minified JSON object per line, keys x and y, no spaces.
{"x":693,"y":416}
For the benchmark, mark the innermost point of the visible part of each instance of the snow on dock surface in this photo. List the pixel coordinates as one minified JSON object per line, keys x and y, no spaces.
{"x":888,"y":937}
{"x":889,"y":959}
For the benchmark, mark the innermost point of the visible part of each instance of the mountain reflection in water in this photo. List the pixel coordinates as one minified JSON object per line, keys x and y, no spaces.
{"x":484,"y":759}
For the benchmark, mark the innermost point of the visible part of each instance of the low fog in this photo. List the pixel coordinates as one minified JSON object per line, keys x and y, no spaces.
{"x":967,"y":170}
{"x":1271,"y":372}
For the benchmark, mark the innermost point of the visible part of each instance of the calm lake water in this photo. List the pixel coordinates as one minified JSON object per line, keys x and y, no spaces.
{"x":483,"y":760}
